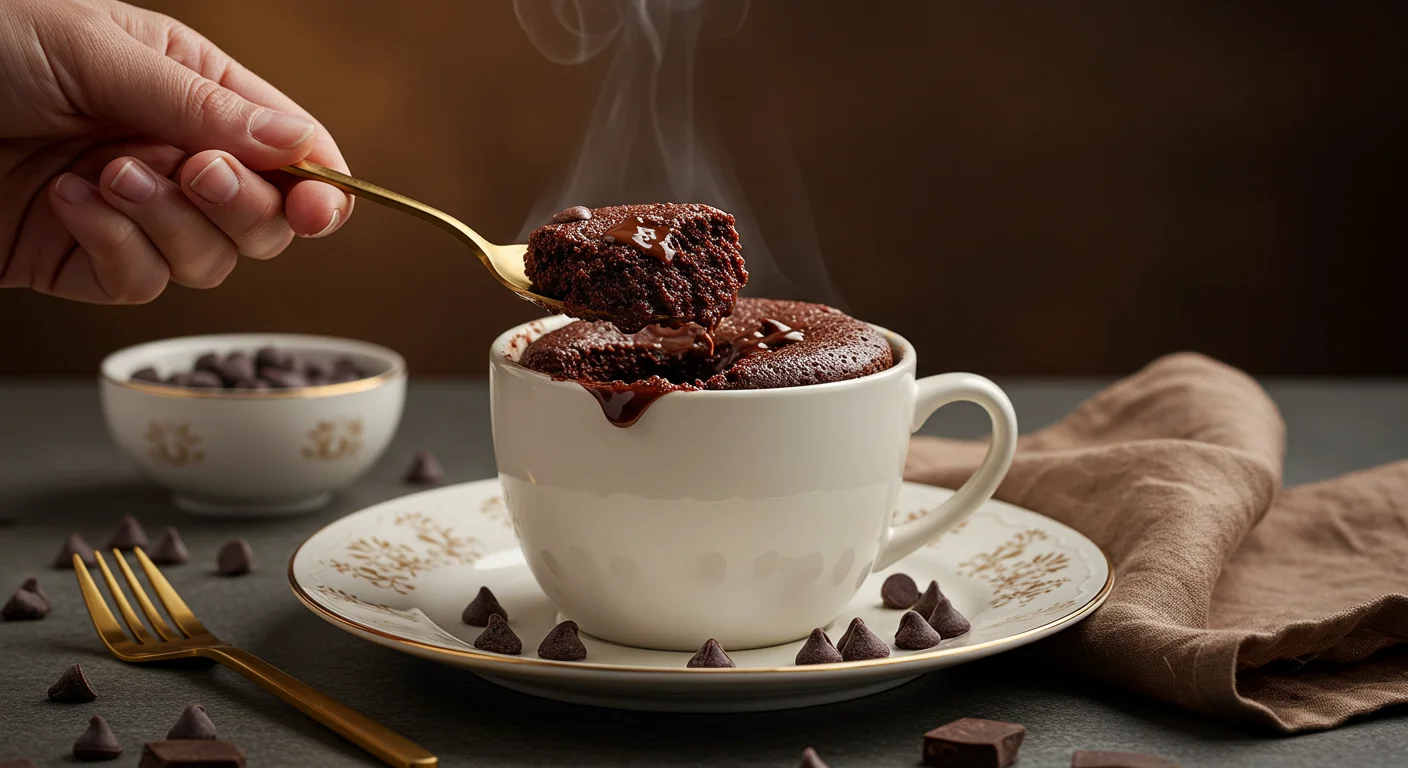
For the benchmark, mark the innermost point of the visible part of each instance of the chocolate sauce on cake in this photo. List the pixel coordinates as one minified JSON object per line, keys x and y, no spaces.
{"x":764,"y":344}
{"x":638,"y":265}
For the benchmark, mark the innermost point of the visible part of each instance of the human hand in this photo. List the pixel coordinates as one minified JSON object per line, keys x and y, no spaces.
{"x":130,"y":152}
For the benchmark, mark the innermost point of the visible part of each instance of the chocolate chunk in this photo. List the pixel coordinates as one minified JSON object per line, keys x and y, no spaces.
{"x":204,"y":380}
{"x":929,"y":600}
{"x":818,"y":650}
{"x":864,"y":645}
{"x":235,"y":558}
{"x":947,"y":621}
{"x":72,"y":687}
{"x":973,"y":742}
{"x":129,"y":534}
{"x":24,"y":606}
{"x":563,"y":644}
{"x":272,"y":357}
{"x":97,"y":743}
{"x":1089,"y":759}
{"x":146,"y":374}
{"x":169,"y":549}
{"x":31,"y":584}
{"x":484,"y":605}
{"x":75,"y":546}
{"x":499,"y":638}
{"x":193,"y":724}
{"x":899,"y":591}
{"x":710,"y":656}
{"x":575,"y":213}
{"x":425,"y":469}
{"x":810,"y":759}
{"x":281,"y":379}
{"x":846,"y":636}
{"x":237,"y":366}
{"x":915,"y":634}
{"x":191,"y":754}
{"x":252,"y":384}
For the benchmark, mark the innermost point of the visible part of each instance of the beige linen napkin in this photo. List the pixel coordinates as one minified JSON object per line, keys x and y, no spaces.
{"x":1234,"y":596}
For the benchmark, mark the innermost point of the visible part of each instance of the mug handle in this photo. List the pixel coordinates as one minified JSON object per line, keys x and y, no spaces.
{"x":931,"y":394}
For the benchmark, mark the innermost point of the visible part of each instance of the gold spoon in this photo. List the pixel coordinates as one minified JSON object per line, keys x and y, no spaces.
{"x":504,"y":261}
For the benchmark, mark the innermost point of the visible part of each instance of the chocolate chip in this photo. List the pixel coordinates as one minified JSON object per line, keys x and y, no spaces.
{"x":237,"y":366}
{"x":72,"y":687}
{"x":272,"y":357}
{"x":281,"y":379}
{"x":129,"y":534}
{"x":146,"y":374}
{"x":899,"y":591}
{"x":484,"y":605}
{"x":1090,"y":759}
{"x":192,"y":754}
{"x":192,"y":724}
{"x":179,"y":380}
{"x":915,"y":634}
{"x":24,"y":606}
{"x":810,"y":759}
{"x":97,"y":743}
{"x":575,"y":213}
{"x":499,"y":638}
{"x":973,"y":742}
{"x":563,"y":644}
{"x":31,"y":584}
{"x":75,"y":546}
{"x":315,"y":370}
{"x":425,"y":470}
{"x":710,"y":656}
{"x":345,"y":364}
{"x":235,"y":558}
{"x":817,"y":650}
{"x":208,"y":362}
{"x":204,"y":380}
{"x":929,"y":600}
{"x":846,"y":636}
{"x":864,"y":645}
{"x":169,"y":549}
{"x":947,"y":621}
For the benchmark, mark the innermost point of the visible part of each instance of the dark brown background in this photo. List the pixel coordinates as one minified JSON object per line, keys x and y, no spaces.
{"x":1046,"y":191}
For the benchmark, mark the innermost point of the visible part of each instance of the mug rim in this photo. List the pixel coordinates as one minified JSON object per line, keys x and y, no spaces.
{"x":900,"y":348}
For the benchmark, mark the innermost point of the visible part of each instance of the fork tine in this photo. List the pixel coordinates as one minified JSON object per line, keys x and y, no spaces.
{"x":145,"y":603}
{"x":108,"y":629}
{"x":181,"y":615}
{"x":123,"y":607}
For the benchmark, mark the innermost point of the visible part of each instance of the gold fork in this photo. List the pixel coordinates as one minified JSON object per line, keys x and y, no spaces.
{"x":190,"y":638}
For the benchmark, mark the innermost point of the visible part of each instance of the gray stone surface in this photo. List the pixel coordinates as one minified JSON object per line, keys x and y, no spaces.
{"x":59,"y":472}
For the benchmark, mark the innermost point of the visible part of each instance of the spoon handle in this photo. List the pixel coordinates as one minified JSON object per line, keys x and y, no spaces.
{"x":354,"y":186}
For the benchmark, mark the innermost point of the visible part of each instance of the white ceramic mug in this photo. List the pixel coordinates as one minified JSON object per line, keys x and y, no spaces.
{"x":748,"y":516}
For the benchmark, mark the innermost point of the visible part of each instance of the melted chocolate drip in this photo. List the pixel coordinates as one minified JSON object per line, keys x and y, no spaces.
{"x":652,"y":241}
{"x":624,"y":403}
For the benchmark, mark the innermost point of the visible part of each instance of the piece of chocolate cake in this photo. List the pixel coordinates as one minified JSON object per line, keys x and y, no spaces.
{"x":638,"y":265}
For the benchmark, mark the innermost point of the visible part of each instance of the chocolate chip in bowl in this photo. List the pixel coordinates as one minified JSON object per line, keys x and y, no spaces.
{"x":253,"y":425}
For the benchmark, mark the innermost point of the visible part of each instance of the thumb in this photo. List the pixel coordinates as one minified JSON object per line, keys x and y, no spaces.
{"x":128,"y":83}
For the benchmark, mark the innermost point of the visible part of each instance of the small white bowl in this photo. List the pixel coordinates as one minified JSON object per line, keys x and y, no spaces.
{"x":253,"y":453}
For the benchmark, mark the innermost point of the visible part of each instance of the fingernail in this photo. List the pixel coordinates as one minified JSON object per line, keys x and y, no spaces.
{"x":336,"y":217}
{"x":72,"y":190}
{"x":279,"y":129}
{"x":217,"y":182}
{"x":132,"y":183}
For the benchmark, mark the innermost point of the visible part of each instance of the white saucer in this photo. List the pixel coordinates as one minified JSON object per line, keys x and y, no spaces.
{"x":400,"y":573}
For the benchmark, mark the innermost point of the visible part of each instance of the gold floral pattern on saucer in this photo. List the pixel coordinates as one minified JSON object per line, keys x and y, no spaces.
{"x":1015,"y":577}
{"x":395,"y":565}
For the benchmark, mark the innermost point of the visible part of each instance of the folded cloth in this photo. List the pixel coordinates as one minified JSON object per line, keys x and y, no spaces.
{"x":1232,"y":595}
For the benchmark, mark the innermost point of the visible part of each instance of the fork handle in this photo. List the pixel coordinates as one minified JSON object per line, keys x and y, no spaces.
{"x":387,"y":745}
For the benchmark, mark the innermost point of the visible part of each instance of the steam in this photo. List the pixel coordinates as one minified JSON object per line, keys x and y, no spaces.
{"x":648,"y":142}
